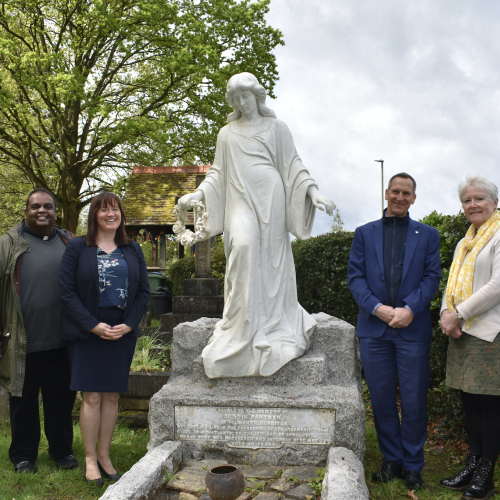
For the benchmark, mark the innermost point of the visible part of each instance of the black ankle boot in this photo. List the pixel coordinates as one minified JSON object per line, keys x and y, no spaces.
{"x":482,"y":485}
{"x":464,"y":477}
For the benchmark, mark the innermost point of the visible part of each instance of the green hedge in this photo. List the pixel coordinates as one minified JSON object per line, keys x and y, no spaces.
{"x":321,"y":269}
{"x":444,"y":404}
{"x":181,"y":270}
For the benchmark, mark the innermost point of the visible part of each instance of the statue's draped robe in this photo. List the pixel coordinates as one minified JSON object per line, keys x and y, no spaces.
{"x":255,"y":192}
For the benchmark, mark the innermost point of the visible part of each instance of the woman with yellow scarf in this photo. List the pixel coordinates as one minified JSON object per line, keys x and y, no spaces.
{"x":470,"y":317}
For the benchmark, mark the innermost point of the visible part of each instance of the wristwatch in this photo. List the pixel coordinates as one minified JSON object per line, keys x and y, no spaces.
{"x":459,"y":316}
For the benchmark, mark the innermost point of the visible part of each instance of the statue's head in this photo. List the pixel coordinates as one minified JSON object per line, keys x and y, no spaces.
{"x":247,"y":82}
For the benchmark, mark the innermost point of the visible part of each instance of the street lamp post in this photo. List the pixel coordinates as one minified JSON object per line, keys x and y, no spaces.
{"x":382,"y":178}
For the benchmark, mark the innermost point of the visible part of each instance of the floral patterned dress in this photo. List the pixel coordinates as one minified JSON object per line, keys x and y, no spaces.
{"x":113,"y":278}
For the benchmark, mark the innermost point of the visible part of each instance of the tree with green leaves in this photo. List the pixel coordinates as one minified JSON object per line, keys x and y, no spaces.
{"x":89,"y":88}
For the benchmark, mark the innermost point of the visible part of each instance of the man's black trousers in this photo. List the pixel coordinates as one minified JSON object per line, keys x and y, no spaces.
{"x":48,"y":371}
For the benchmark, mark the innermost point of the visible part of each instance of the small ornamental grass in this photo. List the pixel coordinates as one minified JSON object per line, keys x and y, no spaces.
{"x":152,"y":355}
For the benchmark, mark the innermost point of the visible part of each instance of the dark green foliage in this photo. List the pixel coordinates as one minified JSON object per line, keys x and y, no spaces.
{"x":321,"y":268}
{"x":444,"y":402}
{"x":179,"y":271}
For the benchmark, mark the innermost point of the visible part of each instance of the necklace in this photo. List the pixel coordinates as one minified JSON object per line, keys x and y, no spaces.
{"x":108,"y":249}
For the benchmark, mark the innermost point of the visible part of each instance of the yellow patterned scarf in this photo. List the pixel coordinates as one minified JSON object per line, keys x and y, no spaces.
{"x":461,"y":276}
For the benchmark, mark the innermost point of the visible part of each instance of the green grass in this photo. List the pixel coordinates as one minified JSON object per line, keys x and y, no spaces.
{"x":50,"y":483}
{"x":129,"y":446}
{"x":438,"y":465}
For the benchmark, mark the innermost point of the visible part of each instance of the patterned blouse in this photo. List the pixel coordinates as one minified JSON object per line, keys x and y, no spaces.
{"x":113,"y":278}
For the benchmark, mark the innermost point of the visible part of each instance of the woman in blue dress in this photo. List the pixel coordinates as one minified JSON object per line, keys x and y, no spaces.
{"x":105,"y":293}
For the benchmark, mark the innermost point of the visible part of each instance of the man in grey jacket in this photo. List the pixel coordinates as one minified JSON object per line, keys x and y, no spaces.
{"x":33,"y":357}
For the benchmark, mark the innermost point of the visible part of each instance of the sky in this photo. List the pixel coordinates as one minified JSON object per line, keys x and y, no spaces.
{"x":416,"y":84}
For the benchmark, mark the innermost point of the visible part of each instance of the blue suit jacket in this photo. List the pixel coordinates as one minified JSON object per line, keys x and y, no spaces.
{"x":79,"y":285}
{"x":419,"y":284}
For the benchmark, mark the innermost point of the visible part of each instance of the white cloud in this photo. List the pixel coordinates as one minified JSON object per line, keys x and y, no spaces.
{"x":415,"y":84}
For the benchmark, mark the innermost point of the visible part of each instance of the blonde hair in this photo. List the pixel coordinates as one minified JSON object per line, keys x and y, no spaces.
{"x":242,"y":82}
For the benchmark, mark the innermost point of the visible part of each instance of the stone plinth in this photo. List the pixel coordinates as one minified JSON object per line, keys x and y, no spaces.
{"x":291,"y":418}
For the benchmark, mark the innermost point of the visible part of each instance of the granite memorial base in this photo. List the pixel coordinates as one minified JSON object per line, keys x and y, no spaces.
{"x":291,"y":418}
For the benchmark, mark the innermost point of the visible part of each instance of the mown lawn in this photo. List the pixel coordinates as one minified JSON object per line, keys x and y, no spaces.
{"x":130,"y":445}
{"x":52,"y":484}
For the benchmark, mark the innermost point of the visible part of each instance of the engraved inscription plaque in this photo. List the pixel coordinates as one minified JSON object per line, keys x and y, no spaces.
{"x":255,"y":427}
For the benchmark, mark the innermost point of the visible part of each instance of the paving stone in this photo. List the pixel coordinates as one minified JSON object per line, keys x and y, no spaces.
{"x":282,"y":485}
{"x":259,"y":472}
{"x":303,"y":473}
{"x":300,"y":492}
{"x":267,"y":496}
{"x":203,"y":464}
{"x":189,"y":480}
{"x":244,"y":496}
{"x":187,"y":496}
{"x":255,"y":484}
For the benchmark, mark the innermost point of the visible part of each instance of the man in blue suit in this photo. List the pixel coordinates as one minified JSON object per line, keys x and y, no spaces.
{"x":394,"y":272}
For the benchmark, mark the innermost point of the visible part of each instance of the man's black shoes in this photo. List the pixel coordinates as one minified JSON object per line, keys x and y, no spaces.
{"x":413,"y":480}
{"x":69,"y":462}
{"x":25,"y":466}
{"x":388,"y":472}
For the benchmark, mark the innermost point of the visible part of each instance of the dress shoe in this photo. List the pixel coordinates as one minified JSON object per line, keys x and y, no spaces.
{"x":99,"y":481}
{"x":388,"y":472}
{"x":482,"y":485}
{"x":413,"y":479}
{"x":25,"y":466}
{"x":69,"y":462}
{"x":464,"y":477}
{"x":114,"y":476}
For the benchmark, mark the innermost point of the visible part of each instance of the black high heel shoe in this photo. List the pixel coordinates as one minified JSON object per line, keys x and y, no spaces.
{"x":99,"y":481}
{"x":113,"y":477}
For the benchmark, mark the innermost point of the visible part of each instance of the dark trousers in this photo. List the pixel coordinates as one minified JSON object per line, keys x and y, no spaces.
{"x":482,"y":424}
{"x":48,"y":371}
{"x":384,"y":357}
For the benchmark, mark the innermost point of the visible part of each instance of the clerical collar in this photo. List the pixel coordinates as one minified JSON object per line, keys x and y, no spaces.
{"x":45,"y":238}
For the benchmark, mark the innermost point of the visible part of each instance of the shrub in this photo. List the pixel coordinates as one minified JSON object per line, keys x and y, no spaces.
{"x":443,"y":402}
{"x":181,"y":270}
{"x":321,"y":269}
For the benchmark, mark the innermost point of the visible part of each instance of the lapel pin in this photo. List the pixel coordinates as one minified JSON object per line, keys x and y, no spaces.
{"x":416,"y":232}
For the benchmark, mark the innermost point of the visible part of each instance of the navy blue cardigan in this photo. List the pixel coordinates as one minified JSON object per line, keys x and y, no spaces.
{"x":79,"y":282}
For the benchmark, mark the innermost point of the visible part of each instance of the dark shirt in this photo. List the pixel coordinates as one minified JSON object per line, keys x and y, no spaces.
{"x":395,"y":232}
{"x":113,"y":278}
{"x":40,"y":303}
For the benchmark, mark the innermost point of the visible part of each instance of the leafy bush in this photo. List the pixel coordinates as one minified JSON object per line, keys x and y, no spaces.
{"x":321,"y":269}
{"x":444,"y":404}
{"x":181,"y":270}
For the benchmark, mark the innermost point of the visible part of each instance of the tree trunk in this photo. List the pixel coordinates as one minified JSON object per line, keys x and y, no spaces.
{"x":70,"y":212}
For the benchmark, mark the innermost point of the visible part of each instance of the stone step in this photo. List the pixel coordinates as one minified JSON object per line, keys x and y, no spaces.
{"x":202,"y":305}
{"x":200,"y":287}
{"x":170,"y":320}
{"x":308,"y":369}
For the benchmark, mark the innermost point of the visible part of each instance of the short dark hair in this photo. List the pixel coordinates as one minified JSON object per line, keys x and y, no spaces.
{"x":404,"y":175}
{"x":41,"y":190}
{"x":103,"y":200}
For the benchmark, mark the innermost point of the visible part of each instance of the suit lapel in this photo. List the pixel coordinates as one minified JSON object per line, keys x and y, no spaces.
{"x":412,"y":239}
{"x":92,"y":256}
{"x":378,"y":241}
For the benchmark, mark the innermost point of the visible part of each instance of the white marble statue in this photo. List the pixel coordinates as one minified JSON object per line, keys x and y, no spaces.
{"x":257,"y":192}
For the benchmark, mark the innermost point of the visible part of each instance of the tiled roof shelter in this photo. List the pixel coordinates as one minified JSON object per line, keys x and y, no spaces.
{"x":150,"y":197}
